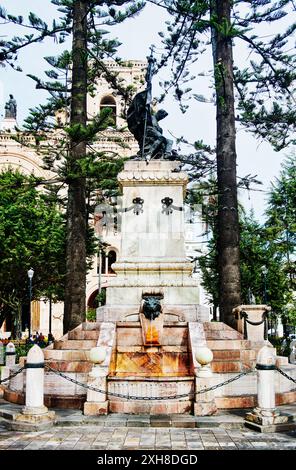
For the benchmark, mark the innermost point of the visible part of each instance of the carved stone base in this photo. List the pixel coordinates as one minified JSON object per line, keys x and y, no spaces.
{"x":35,"y":410}
{"x":30,"y":422}
{"x":269,"y":421}
{"x":204,"y":408}
{"x":92,"y":408}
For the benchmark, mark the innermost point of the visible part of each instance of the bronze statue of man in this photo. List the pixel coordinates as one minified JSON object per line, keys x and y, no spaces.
{"x":144,"y":125}
{"x":10,"y":108}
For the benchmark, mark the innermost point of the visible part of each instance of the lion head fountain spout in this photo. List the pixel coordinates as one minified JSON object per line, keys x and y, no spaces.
{"x":151,"y":319}
{"x":151,"y":307}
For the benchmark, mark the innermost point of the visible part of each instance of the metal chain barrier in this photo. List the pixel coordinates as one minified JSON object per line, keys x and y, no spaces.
{"x":286,"y":375}
{"x":14,"y":374}
{"x":232,"y":379}
{"x":133,"y":397}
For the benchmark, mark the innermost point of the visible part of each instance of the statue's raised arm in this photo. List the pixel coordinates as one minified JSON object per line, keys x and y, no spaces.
{"x":144,"y":125}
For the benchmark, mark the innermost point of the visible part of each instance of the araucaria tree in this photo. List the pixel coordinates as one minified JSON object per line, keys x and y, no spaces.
{"x":258,"y":95}
{"x":83,"y":19}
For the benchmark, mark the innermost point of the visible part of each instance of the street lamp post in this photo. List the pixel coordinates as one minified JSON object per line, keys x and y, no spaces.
{"x":30,"y":276}
{"x":99,"y":275}
{"x":264,"y":272}
{"x":50,"y":316}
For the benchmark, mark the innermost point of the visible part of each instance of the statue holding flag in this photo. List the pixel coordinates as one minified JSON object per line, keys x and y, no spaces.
{"x":143,"y":124}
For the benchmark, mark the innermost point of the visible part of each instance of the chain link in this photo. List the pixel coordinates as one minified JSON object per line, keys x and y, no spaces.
{"x":133,"y":397}
{"x":285,"y":375}
{"x":222,"y":384}
{"x":14,"y":374}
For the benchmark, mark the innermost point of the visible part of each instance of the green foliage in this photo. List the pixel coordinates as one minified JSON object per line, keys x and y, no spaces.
{"x":270,"y":245}
{"x":32,"y":234}
{"x":91,"y":314}
{"x":265,"y":85}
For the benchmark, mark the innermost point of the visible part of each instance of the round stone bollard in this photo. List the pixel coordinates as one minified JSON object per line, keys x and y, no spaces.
{"x":34,"y":415}
{"x":35,"y":382}
{"x":265,"y":383}
{"x":10,"y":355}
{"x":265,"y":417}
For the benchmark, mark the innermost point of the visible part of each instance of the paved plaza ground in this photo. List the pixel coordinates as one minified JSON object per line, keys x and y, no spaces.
{"x":139,"y":438}
{"x":73,"y":431}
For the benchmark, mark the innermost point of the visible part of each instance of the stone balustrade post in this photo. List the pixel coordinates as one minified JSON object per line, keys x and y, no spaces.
{"x":204,"y":402}
{"x":96,"y":402}
{"x":10,"y":355}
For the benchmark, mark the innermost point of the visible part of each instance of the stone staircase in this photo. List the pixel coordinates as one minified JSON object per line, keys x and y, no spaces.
{"x":70,"y":355}
{"x":232,"y":355}
{"x":231,"y":352}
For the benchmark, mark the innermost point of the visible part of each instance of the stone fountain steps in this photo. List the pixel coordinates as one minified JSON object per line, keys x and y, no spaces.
{"x":79,"y":344}
{"x":232,"y":354}
{"x":70,"y":355}
{"x":228,"y":344}
{"x":66,"y":355}
{"x":83,"y":335}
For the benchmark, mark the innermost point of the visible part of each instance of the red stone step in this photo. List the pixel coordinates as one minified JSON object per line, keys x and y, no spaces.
{"x":228,"y":344}
{"x":70,"y":366}
{"x":223,"y":334}
{"x":220,"y":331}
{"x":226,"y":366}
{"x":66,"y":354}
{"x":228,"y":355}
{"x":75,"y":344}
{"x":90,"y":325}
{"x":83,"y":334}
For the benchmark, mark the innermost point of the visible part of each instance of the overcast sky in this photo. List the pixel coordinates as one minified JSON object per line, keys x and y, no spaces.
{"x":137,"y":35}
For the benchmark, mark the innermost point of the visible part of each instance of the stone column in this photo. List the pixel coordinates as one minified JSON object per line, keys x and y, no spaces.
{"x":34,"y":415}
{"x":204,"y":402}
{"x":96,"y":402}
{"x":265,"y":417}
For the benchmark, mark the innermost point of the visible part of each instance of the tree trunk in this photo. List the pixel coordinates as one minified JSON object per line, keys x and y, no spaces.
{"x":75,"y":282}
{"x":228,"y":224}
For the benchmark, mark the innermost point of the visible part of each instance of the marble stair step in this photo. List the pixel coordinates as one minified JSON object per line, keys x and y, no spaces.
{"x":223,"y":334}
{"x":70,"y":366}
{"x":83,"y":334}
{"x":90,"y":325}
{"x":75,"y":344}
{"x":234,"y":355}
{"x":66,"y":354}
{"x":219,"y":330}
{"x":228,"y":344}
{"x":227,"y":366}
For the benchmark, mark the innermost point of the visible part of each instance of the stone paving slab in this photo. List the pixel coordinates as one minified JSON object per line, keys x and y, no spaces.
{"x":134,"y":438}
{"x":224,"y":431}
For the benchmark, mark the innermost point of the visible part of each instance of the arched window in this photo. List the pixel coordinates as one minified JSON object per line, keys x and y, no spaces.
{"x":109,"y":102}
{"x":106,"y":260}
{"x":93,"y":300}
{"x":111,"y":260}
